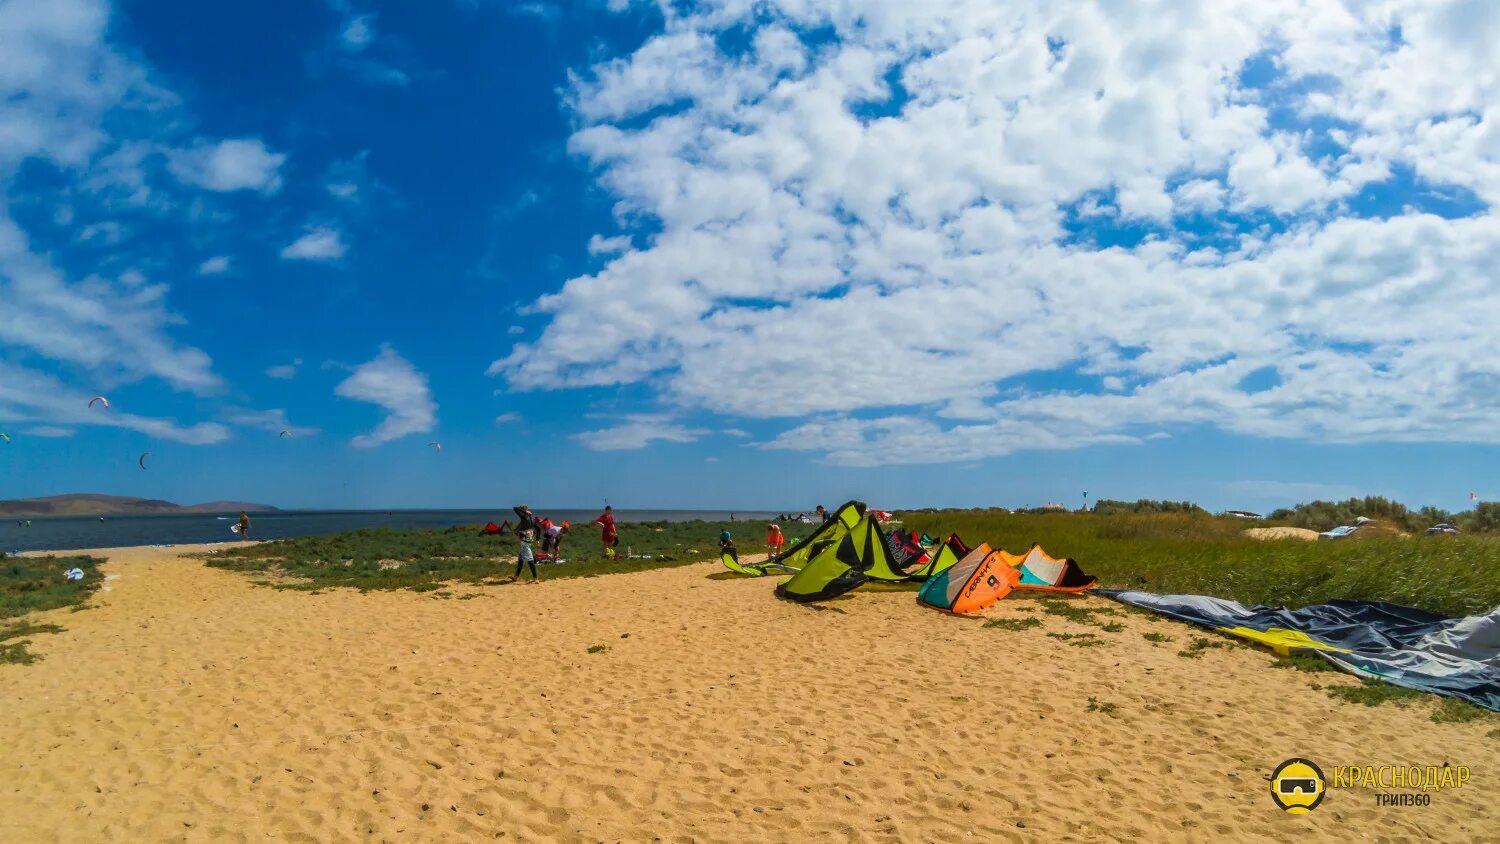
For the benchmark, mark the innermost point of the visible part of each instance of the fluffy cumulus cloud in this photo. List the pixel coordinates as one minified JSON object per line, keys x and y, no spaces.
{"x":400,"y":389}
{"x":107,"y":136}
{"x":230,"y":165}
{"x":896,"y":224}
{"x":319,"y":243}
{"x":217,"y":265}
{"x":638,"y":431}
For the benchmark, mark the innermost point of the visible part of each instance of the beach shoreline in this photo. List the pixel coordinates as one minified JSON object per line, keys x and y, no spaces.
{"x":187,"y":703}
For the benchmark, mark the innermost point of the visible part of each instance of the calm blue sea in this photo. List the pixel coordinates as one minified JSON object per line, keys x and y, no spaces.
{"x":56,"y":533}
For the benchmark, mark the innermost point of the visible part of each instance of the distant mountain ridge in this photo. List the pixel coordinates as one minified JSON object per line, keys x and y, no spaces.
{"x":93,"y":504}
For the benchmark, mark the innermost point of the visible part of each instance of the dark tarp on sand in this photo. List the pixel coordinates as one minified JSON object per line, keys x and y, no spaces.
{"x":1456,"y":657}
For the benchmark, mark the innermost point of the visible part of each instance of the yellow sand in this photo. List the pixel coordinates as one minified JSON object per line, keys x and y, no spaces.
{"x":187,"y":704}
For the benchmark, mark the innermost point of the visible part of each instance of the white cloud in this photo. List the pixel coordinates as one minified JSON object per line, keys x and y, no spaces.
{"x":547,"y":12}
{"x":50,"y":431}
{"x":114,"y":330}
{"x":230,"y":165}
{"x":274,"y":420}
{"x":507,"y":418}
{"x":514,"y":330}
{"x":600,"y":245}
{"x":30,"y":396}
{"x":788,"y":202}
{"x":285,"y":371}
{"x":638,"y":431}
{"x":358,"y":33}
{"x":392,"y":383}
{"x":319,"y":243}
{"x":214,"y":266}
{"x":710,"y":460}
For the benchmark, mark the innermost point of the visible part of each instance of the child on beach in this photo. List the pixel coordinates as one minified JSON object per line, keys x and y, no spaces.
{"x":726,"y":541}
{"x":774,"y":540}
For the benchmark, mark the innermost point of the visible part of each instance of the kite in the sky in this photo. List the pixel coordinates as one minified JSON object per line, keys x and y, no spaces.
{"x":4,"y":436}
{"x":100,"y":399}
{"x":142,"y":459}
{"x":284,"y":434}
{"x":437,"y":445}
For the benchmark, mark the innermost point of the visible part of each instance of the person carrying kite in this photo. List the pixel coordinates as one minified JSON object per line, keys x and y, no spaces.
{"x":244,"y":525}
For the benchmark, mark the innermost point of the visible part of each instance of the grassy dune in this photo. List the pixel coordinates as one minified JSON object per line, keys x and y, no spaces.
{"x":1206,"y":555}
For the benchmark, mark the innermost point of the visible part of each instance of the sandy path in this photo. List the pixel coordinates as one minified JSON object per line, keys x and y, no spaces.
{"x":189,"y":705}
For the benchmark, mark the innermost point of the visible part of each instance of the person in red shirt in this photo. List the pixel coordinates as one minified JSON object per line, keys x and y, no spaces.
{"x":609,"y":536}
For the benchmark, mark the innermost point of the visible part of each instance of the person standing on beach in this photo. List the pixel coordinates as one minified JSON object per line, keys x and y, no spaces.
{"x":608,"y":536}
{"x":244,"y":525}
{"x":823,"y":514}
{"x":526,"y":531}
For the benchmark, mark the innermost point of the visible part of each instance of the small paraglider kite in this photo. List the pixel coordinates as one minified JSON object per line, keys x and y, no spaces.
{"x":284,"y":434}
{"x":99,"y":399}
{"x":437,"y":445}
{"x":142,"y":459}
{"x":4,"y":436}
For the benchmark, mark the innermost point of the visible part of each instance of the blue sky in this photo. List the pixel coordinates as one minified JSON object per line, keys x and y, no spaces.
{"x":748,"y":255}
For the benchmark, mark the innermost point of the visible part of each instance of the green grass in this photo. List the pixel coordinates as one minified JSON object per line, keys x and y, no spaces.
{"x":422,"y":560}
{"x":1306,"y":662}
{"x":1374,"y":693}
{"x":1156,"y":638}
{"x":33,"y":584}
{"x":1454,"y":711}
{"x":1207,"y":555}
{"x":1014,"y":623}
{"x":1076,"y":609}
{"x":1106,"y":708}
{"x":1198,"y":646}
{"x":15,"y":652}
{"x":1078,"y":640}
{"x":598,"y":649}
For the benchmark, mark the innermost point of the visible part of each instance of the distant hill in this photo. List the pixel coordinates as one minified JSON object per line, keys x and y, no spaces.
{"x":91,"y":504}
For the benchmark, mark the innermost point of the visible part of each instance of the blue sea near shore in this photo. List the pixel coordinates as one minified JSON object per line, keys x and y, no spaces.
{"x":59,"y":533}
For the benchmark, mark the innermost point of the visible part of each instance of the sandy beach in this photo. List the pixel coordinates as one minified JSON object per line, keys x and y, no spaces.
{"x":188,"y":704}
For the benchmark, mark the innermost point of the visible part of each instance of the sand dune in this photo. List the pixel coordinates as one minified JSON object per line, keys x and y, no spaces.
{"x":189,"y":705}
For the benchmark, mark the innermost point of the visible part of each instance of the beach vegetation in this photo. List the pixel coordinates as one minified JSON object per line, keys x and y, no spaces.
{"x":424,"y":559}
{"x":1200,"y":554}
{"x":1103,"y":707}
{"x":1014,"y":623}
{"x":34,"y":584}
{"x":1374,"y":693}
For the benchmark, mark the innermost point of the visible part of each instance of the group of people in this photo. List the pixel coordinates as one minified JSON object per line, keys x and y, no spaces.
{"x":529,"y":528}
{"x":818,"y":516}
